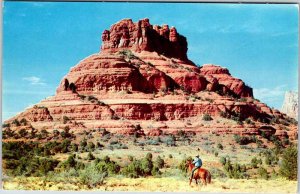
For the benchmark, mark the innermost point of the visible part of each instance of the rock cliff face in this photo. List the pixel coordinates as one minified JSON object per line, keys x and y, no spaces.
{"x":290,"y":104}
{"x":142,"y":76}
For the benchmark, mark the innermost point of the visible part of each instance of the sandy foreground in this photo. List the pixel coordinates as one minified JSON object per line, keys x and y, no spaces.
{"x":161,"y":184}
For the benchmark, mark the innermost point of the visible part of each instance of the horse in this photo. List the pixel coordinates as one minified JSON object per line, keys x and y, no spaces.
{"x":200,"y":173}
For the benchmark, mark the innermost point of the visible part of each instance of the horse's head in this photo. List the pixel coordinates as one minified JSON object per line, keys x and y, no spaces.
{"x":188,"y":164}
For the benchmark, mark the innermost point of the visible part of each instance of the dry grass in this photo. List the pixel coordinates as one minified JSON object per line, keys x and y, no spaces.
{"x":165,"y":184}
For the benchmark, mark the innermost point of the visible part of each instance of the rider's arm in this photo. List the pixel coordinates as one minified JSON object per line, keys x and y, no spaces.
{"x":195,"y":160}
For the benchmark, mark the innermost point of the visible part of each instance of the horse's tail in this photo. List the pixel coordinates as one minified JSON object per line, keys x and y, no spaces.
{"x":208,"y":177}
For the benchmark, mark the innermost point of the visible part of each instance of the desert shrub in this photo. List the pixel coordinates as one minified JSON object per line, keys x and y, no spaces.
{"x":170,"y":140}
{"x":248,"y":121}
{"x":142,"y":168}
{"x":159,"y":162}
{"x":128,"y":54}
{"x":65,"y":119}
{"x":23,"y":133}
{"x":65,"y":145}
{"x":207,"y":117}
{"x":99,"y":145}
{"x":16,"y":122}
{"x":6,"y":133}
{"x":223,"y":160}
{"x":16,"y":150}
{"x":105,"y":165}
{"x":224,"y":114}
{"x":23,"y":121}
{"x":5,"y":125}
{"x":90,"y":156}
{"x":133,"y":170}
{"x":276,"y":141}
{"x":235,"y":171}
{"x":288,"y":168}
{"x":34,"y":166}
{"x":91,"y":177}
{"x":263,"y":173}
{"x":69,"y":163}
{"x":74,"y":147}
{"x":91,"y":146}
{"x":55,"y":133}
{"x":271,"y":157}
{"x":220,"y":146}
{"x":83,"y":144}
{"x":254,"y":162}
{"x":130,"y":158}
{"x":181,"y":133}
{"x":244,"y":140}
{"x":182,"y":166}
{"x":117,"y":145}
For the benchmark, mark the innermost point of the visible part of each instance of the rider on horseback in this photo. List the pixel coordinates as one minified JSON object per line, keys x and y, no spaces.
{"x":198,"y":163}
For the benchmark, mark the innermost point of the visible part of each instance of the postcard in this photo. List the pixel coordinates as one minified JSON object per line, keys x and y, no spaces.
{"x":141,"y":96}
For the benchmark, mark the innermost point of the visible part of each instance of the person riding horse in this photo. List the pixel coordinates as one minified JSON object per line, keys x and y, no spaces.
{"x":198,"y":163}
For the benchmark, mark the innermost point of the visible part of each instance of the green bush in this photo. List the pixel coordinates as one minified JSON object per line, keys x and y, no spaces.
{"x":90,"y":156}
{"x":244,"y":140}
{"x":235,"y":171}
{"x":23,"y":121}
{"x":142,"y":168}
{"x":91,"y":146}
{"x":83,"y":144}
{"x":34,"y":166}
{"x":207,"y":117}
{"x":182,"y":166}
{"x":65,"y":119}
{"x":5,"y":125}
{"x":74,"y":147}
{"x":107,"y":166}
{"x":263,"y":173}
{"x":159,"y":162}
{"x":288,"y":167}
{"x":254,"y":162}
{"x":91,"y":177}
{"x":170,"y":140}
{"x":16,"y":122}
{"x":23,"y":133}
{"x":220,"y":146}
{"x":223,"y":160}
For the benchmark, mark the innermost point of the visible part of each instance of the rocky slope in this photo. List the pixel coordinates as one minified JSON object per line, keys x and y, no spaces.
{"x":142,"y":77}
{"x":290,"y":104}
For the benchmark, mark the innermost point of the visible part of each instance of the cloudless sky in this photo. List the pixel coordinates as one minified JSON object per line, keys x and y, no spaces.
{"x":42,"y":41}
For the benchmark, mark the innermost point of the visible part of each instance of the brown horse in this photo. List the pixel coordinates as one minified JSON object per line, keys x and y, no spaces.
{"x":200,"y":173}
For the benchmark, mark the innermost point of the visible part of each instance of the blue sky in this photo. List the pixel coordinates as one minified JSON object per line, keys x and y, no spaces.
{"x":42,"y":41}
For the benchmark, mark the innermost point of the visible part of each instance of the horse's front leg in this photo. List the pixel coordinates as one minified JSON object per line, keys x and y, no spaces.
{"x":191,"y":179}
{"x":196,"y":182}
{"x":204,"y":181}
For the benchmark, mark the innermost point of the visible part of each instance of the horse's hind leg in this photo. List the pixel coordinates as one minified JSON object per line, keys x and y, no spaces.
{"x":196,"y":182}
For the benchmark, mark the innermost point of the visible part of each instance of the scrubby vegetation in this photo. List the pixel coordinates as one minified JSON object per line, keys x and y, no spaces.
{"x":288,"y":168}
{"x":88,"y":161}
{"x":143,"y":167}
{"x":207,"y":117}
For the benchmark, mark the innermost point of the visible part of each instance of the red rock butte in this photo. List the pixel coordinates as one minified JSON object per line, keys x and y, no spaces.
{"x":142,"y":36}
{"x":142,"y":76}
